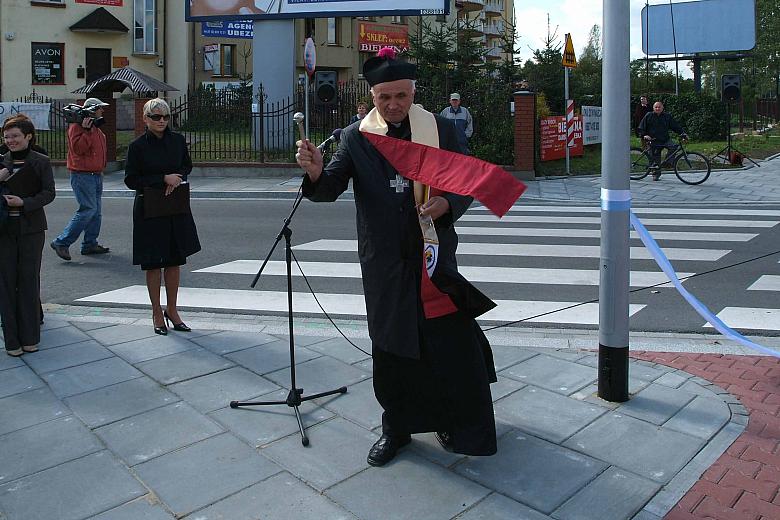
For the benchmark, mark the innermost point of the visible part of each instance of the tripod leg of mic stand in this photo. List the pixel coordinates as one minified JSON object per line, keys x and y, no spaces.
{"x":304,"y":438}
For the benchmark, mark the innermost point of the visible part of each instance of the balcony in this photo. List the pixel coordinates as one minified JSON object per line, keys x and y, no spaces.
{"x":493,"y":53}
{"x":494,"y":8}
{"x":494,"y":29}
{"x":470,"y":5}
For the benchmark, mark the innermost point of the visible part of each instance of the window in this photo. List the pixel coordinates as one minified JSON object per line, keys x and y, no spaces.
{"x":399,"y":19}
{"x":48,"y":63}
{"x":334,"y":30}
{"x":48,"y":3}
{"x":219,"y":59}
{"x":145,"y":27}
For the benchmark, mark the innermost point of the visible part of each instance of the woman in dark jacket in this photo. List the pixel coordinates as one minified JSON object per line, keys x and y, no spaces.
{"x":27,"y":185}
{"x":160,"y":159}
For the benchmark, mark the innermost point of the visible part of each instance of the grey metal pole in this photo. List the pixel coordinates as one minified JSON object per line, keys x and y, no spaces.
{"x":306,"y":102}
{"x":566,"y":113}
{"x":615,"y":205}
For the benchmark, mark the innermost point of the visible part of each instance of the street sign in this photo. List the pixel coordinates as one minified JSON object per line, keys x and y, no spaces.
{"x":569,"y":59}
{"x":310,"y":56}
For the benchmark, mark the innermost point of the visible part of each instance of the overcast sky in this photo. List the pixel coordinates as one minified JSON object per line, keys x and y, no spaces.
{"x":570,"y":16}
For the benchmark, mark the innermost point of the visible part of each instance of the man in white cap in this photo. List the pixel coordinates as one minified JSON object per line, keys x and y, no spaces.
{"x":461,"y":118}
{"x":86,"y":162}
{"x":432,"y":363}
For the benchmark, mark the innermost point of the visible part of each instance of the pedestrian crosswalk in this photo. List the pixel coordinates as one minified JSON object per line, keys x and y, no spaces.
{"x":534,"y":261}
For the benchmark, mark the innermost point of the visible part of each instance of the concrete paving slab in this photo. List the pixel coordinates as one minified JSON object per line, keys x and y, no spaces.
{"x":613,"y":494}
{"x":557,"y":375}
{"x":51,"y":323}
{"x":261,"y":425}
{"x":116,"y":402}
{"x":636,"y":446}
{"x":506,"y":356}
{"x":656,"y":403}
{"x":504,"y":387}
{"x":153,"y":347}
{"x":44,"y":446}
{"x":121,"y":333}
{"x":90,"y":376}
{"x":702,"y":417}
{"x":213,"y":391}
{"x":48,"y":360}
{"x":533,"y":471}
{"x":144,"y":436}
{"x":279,"y":497}
{"x":546,"y":414}
{"x":29,"y":408}
{"x":230,"y":341}
{"x":201,"y":474}
{"x":359,"y":405}
{"x":184,"y":365}
{"x":340,"y":349}
{"x":426,"y":445}
{"x":139,"y":509}
{"x":408,"y":488}
{"x":18,"y":380}
{"x":61,"y":336}
{"x":7,"y":362}
{"x":319,"y":375}
{"x":59,"y":492}
{"x":499,"y":507}
{"x":270,"y":357}
{"x":337,"y":450}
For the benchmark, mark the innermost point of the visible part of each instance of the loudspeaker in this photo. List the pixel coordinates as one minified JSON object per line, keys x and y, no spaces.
{"x":325,"y":86}
{"x":730,"y":87}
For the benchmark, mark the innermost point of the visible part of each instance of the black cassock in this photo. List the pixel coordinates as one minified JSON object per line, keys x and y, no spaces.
{"x":429,"y":374}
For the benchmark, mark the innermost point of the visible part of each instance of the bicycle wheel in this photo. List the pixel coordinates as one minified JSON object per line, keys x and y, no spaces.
{"x":640,"y":164}
{"x":692,"y":168}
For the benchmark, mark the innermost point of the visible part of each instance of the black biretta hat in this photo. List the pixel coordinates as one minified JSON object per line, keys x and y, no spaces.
{"x":385,"y":67}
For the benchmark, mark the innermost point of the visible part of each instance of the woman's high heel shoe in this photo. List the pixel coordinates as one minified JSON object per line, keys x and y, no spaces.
{"x":162,"y":330}
{"x":181,"y":327}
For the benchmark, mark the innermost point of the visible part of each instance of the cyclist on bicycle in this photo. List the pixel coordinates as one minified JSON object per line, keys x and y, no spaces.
{"x":655,"y":127}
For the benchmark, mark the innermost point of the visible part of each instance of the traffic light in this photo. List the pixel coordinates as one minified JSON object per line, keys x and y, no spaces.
{"x":325,"y":86}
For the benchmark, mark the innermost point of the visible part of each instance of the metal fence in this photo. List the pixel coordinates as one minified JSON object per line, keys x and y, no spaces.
{"x":237,"y":125}
{"x":54,"y":140}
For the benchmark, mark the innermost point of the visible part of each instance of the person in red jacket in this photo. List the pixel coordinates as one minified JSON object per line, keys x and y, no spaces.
{"x":86,"y":162}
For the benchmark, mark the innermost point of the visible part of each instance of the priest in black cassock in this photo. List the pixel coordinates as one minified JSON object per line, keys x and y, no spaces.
{"x":432,"y":363}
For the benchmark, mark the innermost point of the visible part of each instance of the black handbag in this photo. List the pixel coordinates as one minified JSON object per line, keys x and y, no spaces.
{"x":157,"y":204}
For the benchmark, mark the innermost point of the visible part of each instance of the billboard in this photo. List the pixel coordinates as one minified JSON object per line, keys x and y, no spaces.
{"x":208,"y":10}
{"x":372,"y":37}
{"x":228,"y":29}
{"x":703,"y":26}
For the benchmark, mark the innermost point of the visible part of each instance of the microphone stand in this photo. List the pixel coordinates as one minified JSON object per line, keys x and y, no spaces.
{"x":295,"y":397}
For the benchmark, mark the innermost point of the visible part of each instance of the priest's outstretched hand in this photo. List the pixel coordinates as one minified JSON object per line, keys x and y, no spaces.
{"x":309,"y":158}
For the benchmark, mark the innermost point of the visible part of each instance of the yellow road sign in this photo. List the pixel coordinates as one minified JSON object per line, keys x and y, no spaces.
{"x":569,"y":59}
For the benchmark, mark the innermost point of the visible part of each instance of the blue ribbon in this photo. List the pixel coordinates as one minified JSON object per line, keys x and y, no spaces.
{"x":704,"y":312}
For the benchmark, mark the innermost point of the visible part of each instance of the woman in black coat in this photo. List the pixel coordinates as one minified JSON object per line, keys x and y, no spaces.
{"x":160,"y":159}
{"x":27,"y":185}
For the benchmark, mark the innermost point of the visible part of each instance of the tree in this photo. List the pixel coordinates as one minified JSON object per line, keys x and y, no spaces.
{"x":545,"y":73}
{"x":586,"y":78}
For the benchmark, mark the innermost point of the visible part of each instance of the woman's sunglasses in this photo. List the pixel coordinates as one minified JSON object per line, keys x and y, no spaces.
{"x":157,"y":117}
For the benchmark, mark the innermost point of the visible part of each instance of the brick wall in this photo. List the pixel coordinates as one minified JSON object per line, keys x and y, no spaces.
{"x":525,"y":130}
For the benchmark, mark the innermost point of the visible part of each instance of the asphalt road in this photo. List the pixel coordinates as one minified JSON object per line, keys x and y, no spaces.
{"x":246,"y":229}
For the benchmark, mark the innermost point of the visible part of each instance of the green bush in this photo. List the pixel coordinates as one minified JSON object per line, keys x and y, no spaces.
{"x":703,"y":117}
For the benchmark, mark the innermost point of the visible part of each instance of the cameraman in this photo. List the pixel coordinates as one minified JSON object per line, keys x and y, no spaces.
{"x":86,"y":161}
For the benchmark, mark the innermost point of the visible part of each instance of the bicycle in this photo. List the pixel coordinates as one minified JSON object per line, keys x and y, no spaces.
{"x":690,"y":167}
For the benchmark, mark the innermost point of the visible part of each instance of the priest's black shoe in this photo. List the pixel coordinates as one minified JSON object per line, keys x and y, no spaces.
{"x":385,"y":449}
{"x":445,"y":439}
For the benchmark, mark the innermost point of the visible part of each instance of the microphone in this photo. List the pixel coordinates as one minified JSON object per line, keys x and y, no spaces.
{"x":335,"y":136}
{"x":298,"y":117}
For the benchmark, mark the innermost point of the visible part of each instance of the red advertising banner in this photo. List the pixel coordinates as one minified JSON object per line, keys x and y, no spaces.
{"x":372,"y":37}
{"x":115,"y":3}
{"x":553,"y":138}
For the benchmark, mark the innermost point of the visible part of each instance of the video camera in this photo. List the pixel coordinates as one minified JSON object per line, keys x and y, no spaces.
{"x":76,"y":113}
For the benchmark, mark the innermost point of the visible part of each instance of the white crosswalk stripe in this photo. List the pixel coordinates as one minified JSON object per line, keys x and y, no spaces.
{"x":501,"y":258}
{"x":524,"y":250}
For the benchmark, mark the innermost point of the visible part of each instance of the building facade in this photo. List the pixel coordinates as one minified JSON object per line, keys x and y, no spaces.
{"x":53,"y":47}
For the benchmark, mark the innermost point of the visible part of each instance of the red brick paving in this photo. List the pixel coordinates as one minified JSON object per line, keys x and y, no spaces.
{"x":744,"y":483}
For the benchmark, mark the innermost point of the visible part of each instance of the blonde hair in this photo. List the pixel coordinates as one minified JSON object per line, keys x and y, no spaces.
{"x":157,"y":104}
